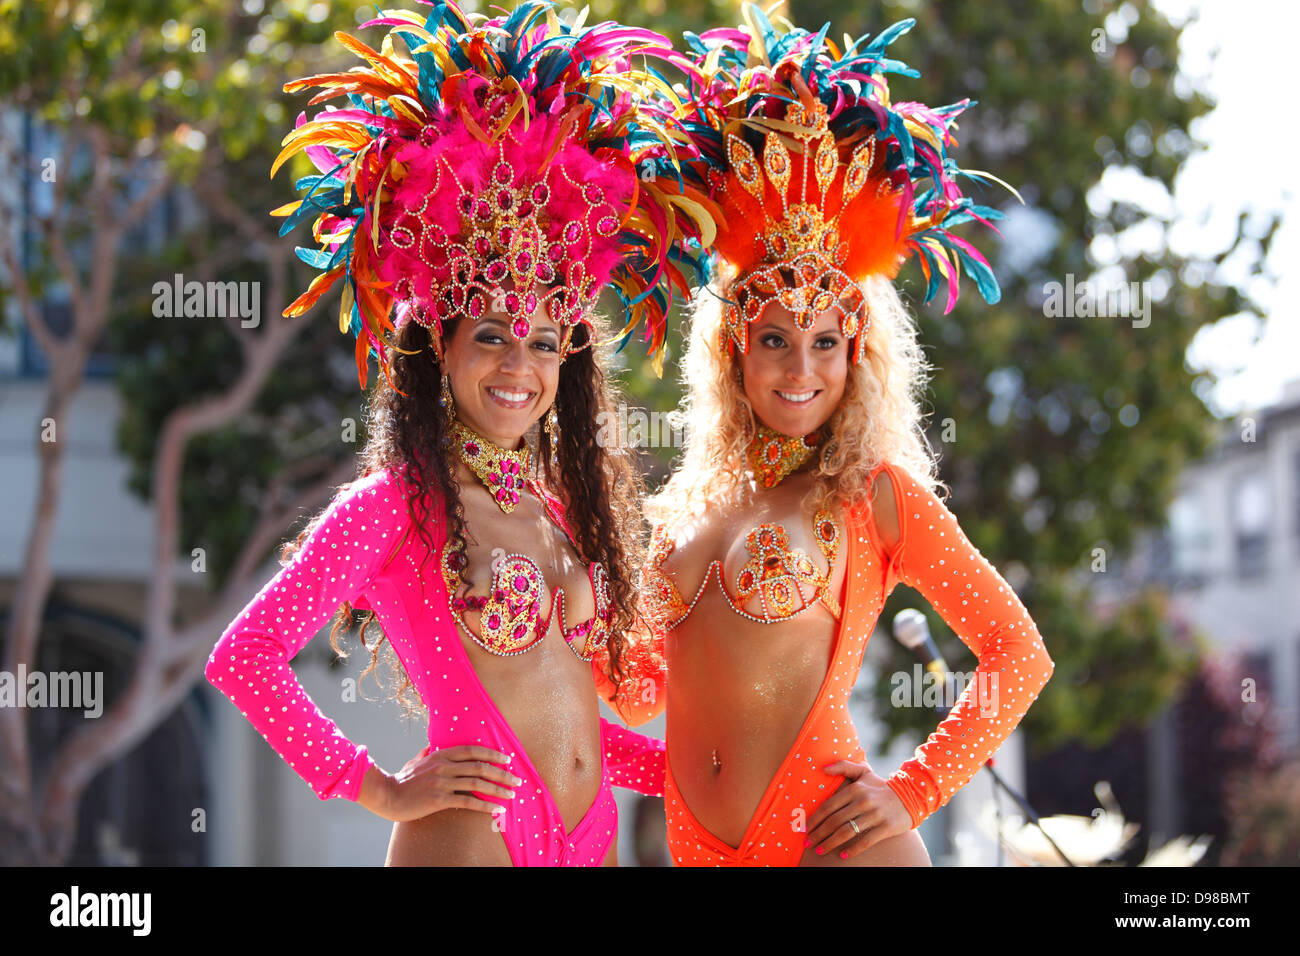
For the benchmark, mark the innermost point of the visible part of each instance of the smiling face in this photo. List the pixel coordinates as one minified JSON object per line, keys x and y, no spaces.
{"x":501,"y":385}
{"x":794,"y":378}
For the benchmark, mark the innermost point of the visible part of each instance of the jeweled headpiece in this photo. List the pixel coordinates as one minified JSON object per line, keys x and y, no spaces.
{"x":820,"y":181}
{"x":514,"y":163}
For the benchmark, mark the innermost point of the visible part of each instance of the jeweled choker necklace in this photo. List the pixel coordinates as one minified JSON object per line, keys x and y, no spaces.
{"x":503,"y":472}
{"x":773,"y":456}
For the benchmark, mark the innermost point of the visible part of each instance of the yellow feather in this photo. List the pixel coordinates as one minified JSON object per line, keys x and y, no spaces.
{"x":523,"y":100}
{"x":374,"y":213}
{"x":345,"y":309}
{"x":416,"y":28}
{"x":398,"y":103}
{"x":708,"y":228}
{"x":1000,"y":182}
{"x":921,"y":131}
{"x":755,"y":47}
{"x":757,"y":53}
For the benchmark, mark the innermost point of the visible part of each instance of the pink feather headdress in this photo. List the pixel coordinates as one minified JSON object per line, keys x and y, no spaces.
{"x":514,"y":164}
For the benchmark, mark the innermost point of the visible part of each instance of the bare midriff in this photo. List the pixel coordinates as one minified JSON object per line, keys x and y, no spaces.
{"x":544,"y":694}
{"x":742,"y":690}
{"x":739,"y":694}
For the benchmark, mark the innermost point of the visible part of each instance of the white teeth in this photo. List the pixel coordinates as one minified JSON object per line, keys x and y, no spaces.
{"x":797,"y":396}
{"x":509,"y":396}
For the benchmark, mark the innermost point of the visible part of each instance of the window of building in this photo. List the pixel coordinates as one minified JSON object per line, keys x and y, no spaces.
{"x":1190,"y":538}
{"x":1251,"y":514}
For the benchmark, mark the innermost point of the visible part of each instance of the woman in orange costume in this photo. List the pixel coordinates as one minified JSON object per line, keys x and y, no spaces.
{"x":806,"y":485}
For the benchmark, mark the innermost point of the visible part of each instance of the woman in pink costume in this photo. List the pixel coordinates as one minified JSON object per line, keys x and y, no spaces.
{"x":487,"y":189}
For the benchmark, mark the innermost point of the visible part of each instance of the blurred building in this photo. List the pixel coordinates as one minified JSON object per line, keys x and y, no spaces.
{"x":1230,"y":554}
{"x":1229,"y":558}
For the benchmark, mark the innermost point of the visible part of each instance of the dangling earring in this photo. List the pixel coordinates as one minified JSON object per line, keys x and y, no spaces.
{"x":448,"y":403}
{"x":446,"y":400}
{"x":552,"y":427}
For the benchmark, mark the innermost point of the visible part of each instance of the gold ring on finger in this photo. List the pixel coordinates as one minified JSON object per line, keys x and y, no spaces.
{"x":854,"y":823}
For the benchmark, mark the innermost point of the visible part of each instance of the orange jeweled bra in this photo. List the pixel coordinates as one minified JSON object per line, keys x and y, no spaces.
{"x":774,"y":572}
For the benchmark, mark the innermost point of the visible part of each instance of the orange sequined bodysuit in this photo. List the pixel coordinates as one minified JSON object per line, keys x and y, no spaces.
{"x":934,"y":556}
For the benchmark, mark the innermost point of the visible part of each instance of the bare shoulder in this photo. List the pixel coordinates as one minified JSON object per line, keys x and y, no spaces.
{"x":884,"y":509}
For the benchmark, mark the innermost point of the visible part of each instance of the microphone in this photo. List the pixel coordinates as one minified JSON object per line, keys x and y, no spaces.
{"x":912,"y":630}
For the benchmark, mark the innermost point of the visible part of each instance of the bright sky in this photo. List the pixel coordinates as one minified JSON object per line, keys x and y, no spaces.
{"x":1244,"y":51}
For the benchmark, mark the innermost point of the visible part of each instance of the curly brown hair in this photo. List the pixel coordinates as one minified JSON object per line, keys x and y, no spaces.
{"x":602,"y":486}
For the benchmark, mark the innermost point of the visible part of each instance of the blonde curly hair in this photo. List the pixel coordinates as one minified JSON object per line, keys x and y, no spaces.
{"x":878,"y":420}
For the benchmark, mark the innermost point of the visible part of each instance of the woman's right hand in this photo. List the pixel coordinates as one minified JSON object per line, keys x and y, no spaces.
{"x":441,"y":780}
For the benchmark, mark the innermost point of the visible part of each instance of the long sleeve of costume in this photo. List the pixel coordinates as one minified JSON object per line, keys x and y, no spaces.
{"x":935,"y":557}
{"x":250,"y":663}
{"x":635,"y":761}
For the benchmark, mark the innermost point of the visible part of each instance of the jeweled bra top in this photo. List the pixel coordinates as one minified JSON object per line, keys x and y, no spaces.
{"x":774,"y":573}
{"x":510,"y":613}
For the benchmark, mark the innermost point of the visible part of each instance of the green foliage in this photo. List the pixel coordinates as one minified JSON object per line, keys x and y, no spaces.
{"x":161,"y":363}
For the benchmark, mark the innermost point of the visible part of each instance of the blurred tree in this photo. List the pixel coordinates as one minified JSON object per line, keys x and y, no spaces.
{"x":140,"y":98}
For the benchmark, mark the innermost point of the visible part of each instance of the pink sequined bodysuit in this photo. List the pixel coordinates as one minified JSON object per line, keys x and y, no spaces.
{"x":353,"y":554}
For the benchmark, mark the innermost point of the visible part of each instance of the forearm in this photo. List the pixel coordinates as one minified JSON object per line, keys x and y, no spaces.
{"x":1008,"y":679}
{"x":376,"y":793}
{"x":250,"y":663}
{"x":634,"y":761}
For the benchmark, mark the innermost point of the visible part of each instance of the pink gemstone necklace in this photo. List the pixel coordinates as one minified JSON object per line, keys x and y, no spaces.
{"x":502,"y":471}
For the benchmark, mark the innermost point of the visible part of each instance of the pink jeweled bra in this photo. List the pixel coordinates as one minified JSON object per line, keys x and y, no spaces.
{"x":510,"y":613}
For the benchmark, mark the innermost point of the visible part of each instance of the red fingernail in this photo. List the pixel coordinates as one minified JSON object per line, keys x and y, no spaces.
{"x":820,"y":851}
{"x":807,"y":844}
{"x":844,"y":855}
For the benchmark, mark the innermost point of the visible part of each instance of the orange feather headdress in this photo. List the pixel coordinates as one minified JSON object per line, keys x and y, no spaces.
{"x":819,"y":180}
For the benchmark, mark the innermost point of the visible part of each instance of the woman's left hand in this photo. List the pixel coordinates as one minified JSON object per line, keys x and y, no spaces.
{"x":867,"y":800}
